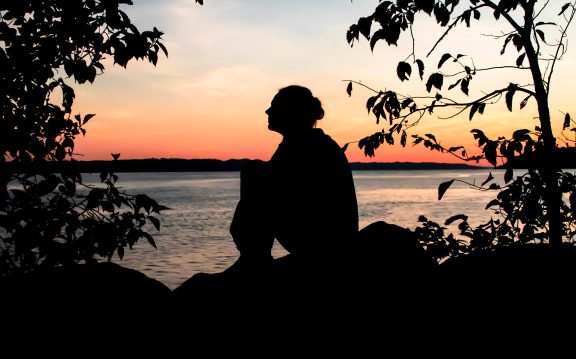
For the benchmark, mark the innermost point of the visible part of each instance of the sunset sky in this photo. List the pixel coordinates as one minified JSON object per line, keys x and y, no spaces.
{"x":228,"y":58}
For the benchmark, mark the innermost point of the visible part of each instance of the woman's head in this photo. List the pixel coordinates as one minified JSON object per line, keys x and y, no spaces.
{"x":294,"y":108}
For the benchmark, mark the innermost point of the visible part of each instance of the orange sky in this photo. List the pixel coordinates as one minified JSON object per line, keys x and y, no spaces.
{"x":228,"y":58}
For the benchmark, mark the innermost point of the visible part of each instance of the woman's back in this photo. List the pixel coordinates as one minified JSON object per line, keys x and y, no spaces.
{"x":314,"y":198}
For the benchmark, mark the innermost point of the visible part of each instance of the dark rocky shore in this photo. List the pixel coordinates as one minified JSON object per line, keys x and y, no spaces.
{"x":387,"y":283}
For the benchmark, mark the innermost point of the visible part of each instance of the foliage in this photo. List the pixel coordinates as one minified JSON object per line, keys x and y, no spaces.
{"x":536,"y":206}
{"x":51,"y":219}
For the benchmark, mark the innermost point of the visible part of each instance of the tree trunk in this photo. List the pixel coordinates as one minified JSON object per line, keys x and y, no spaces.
{"x":549,"y":170}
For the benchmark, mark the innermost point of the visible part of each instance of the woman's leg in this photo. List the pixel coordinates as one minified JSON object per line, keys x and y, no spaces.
{"x":251,"y":227}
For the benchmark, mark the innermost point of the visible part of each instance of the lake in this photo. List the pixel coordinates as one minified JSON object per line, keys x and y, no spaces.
{"x":194,"y":232}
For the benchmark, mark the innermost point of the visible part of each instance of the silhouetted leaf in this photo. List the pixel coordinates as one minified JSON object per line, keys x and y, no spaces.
{"x":564,"y":7}
{"x":476,"y":14}
{"x":364,"y":24}
{"x":349,"y":88}
{"x":345,"y":147}
{"x":443,"y":187}
{"x":158,"y":207}
{"x":403,"y":139}
{"x":94,"y":198}
{"x":454,"y":84}
{"x":481,"y":108}
{"x":539,"y":23}
{"x":521,"y":135}
{"x":70,"y":187}
{"x":431,"y":107}
{"x":115,"y":156}
{"x":517,"y":41}
{"x":378,"y":111}
{"x":444,"y":58}
{"x":466,"y":17}
{"x":426,"y":5}
{"x":68,"y":142}
{"x":520,"y":59}
{"x":508,"y":175}
{"x":566,"y":121}
{"x":420,"y":69}
{"x":59,"y":152}
{"x":473,"y":110}
{"x":47,"y":185}
{"x":352,"y":34}
{"x":87,"y":118}
{"x":155,"y":221}
{"x":163,"y":48}
{"x":68,"y":96}
{"x":436,"y":80}
{"x":377,"y":36}
{"x":201,"y":2}
{"x":407,"y":102}
{"x":541,"y":35}
{"x":404,"y":70}
{"x":107,"y":206}
{"x":392,"y":34}
{"x":442,"y":14}
{"x":149,"y":239}
{"x":464,"y":86}
{"x":490,"y":152}
{"x":453,"y":149}
{"x":143,"y":201}
{"x":389,"y":138}
{"x":494,"y":202}
{"x":497,"y":14}
{"x":371,"y":101}
{"x":494,"y":186}
{"x":510,"y":95}
{"x":506,"y":42}
{"x":524,"y":102}
{"x":488,"y":179}
{"x":458,"y":217}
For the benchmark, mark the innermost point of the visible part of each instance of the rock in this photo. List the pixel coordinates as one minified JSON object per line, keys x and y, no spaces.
{"x":386,"y":267}
{"x":84,"y":297}
{"x":521,"y":291}
{"x":523,"y":274}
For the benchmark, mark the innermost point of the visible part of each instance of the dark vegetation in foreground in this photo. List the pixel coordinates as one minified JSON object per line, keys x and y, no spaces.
{"x":386,"y":283}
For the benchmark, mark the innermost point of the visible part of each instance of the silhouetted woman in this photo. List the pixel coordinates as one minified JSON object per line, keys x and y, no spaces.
{"x":304,"y":196}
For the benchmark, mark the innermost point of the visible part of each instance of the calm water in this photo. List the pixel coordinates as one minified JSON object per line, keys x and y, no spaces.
{"x":194,"y":233}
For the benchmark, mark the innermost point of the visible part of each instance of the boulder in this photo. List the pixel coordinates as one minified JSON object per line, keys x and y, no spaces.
{"x":81,"y":300}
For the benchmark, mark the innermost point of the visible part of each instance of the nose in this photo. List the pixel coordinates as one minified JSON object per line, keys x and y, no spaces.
{"x":267,"y":111}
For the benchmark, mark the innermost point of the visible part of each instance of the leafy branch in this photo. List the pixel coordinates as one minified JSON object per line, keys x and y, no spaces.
{"x":533,"y":206}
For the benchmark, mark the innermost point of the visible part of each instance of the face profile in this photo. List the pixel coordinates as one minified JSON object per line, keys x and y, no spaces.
{"x":278,"y":114}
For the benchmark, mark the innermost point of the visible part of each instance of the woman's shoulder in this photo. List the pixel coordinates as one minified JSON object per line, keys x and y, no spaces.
{"x":329,"y":143}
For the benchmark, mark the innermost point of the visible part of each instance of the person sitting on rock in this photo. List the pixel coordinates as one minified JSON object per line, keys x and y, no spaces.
{"x":304,"y":196}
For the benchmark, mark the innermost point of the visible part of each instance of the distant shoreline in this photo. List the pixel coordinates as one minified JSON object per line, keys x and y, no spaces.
{"x":213,"y":165}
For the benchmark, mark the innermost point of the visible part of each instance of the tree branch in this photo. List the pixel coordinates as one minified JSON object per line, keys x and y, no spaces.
{"x":507,"y":16}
